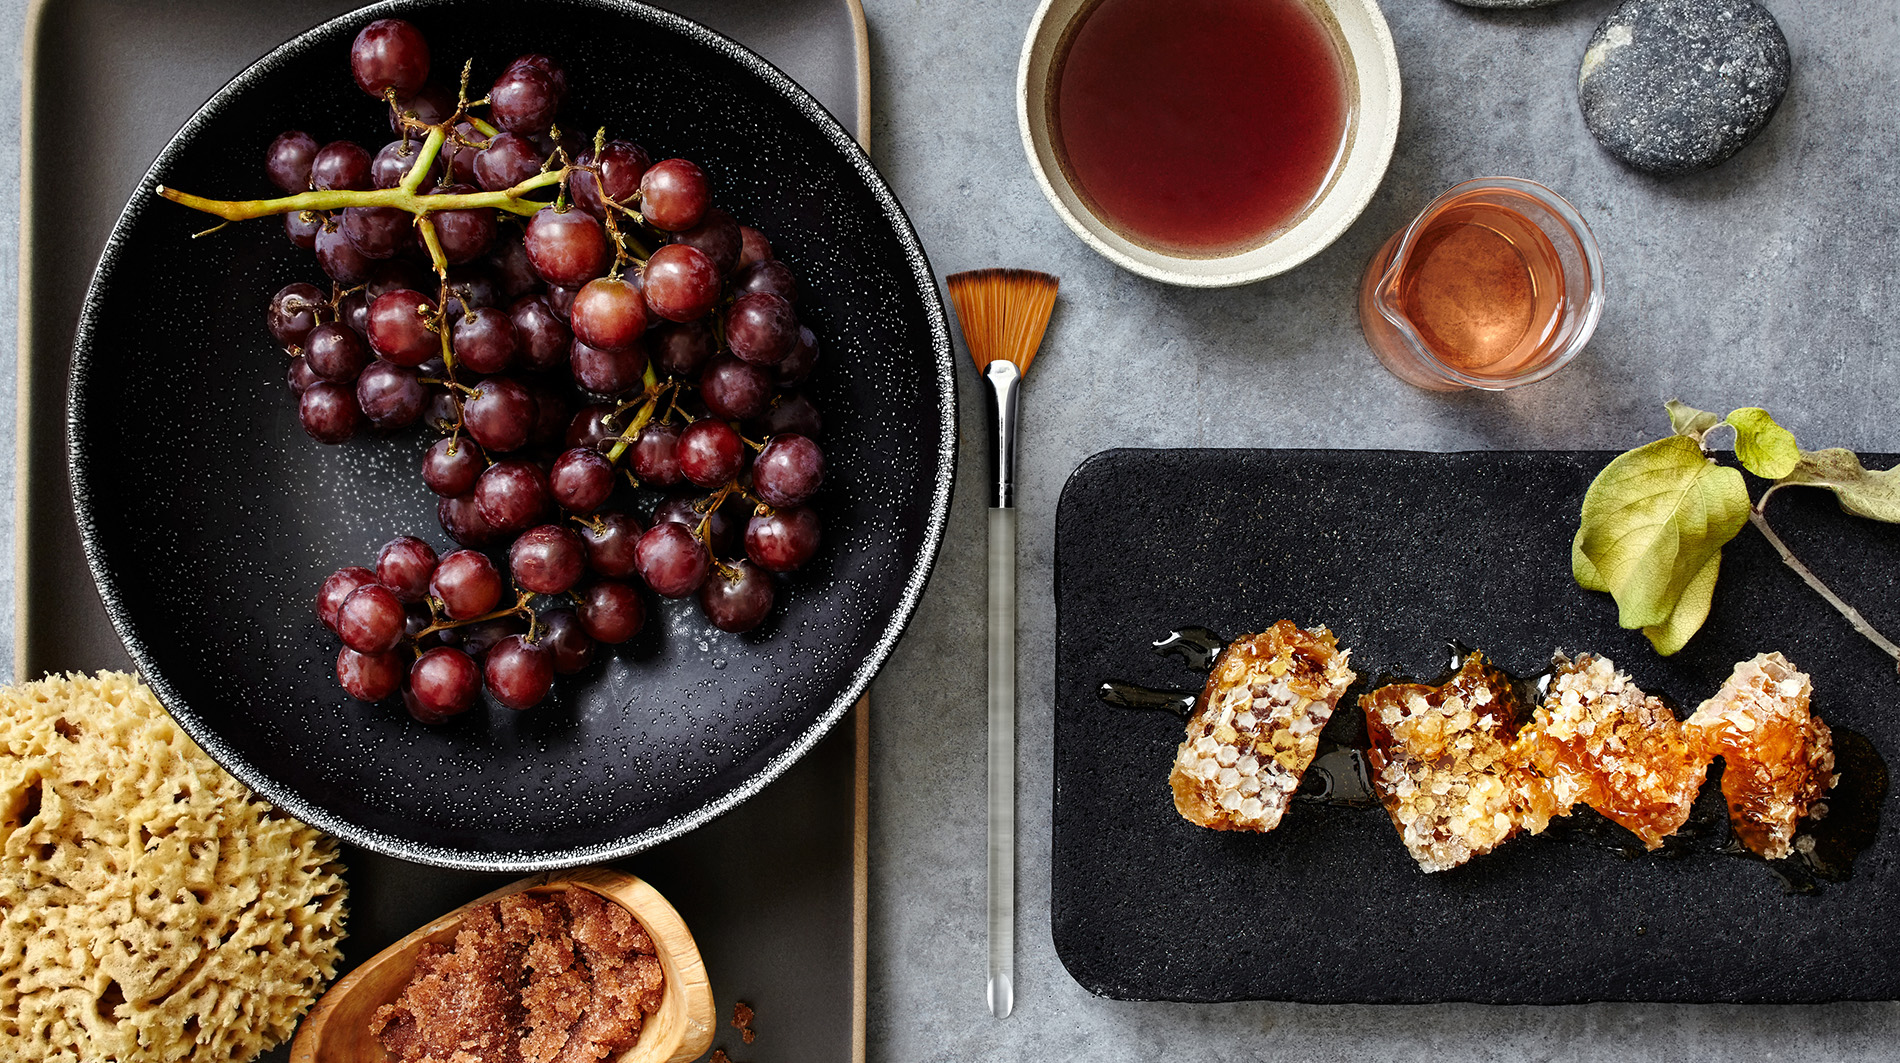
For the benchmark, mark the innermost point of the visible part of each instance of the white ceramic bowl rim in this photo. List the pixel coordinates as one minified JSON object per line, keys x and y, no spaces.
{"x":1369,"y":150}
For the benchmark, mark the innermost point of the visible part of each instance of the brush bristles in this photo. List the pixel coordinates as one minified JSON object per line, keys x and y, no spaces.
{"x":1003,"y":313}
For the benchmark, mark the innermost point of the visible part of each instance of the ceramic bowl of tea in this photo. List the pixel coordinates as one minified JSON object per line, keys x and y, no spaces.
{"x":1209,"y":143}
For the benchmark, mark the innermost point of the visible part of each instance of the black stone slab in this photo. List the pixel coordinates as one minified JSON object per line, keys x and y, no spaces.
{"x":1398,"y":553}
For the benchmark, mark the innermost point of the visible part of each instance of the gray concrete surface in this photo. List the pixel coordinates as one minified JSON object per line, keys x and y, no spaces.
{"x":1766,"y":281}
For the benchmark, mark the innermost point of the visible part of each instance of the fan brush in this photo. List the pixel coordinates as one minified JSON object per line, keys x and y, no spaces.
{"x":1003,"y":314}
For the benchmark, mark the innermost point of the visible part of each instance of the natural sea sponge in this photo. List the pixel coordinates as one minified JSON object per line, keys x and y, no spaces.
{"x":151,"y":907}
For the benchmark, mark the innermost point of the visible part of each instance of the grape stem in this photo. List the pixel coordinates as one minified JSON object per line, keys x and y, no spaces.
{"x":650,"y":403}
{"x":519,"y":608}
{"x":1758,"y":516}
{"x":513,"y":200}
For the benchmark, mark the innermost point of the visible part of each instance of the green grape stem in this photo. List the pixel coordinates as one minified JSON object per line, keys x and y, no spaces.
{"x":513,"y":200}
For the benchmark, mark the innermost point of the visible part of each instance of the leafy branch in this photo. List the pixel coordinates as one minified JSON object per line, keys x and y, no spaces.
{"x":1656,"y":518}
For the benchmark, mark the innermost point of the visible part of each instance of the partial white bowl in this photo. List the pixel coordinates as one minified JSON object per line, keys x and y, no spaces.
{"x":1374,"y":130}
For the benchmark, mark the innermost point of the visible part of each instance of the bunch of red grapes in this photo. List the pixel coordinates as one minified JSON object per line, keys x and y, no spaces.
{"x":606,"y":331}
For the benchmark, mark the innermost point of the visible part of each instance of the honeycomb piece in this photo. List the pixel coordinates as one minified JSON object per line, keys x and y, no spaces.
{"x":1256,"y":727}
{"x":1447,"y":767}
{"x":1600,"y":740}
{"x":1778,"y":756}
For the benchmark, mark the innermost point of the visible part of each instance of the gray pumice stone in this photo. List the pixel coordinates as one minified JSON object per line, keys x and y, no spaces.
{"x":1509,"y":4}
{"x":1675,"y":86}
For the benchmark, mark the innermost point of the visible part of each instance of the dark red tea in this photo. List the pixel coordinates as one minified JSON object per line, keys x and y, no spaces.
{"x":1201,"y":126}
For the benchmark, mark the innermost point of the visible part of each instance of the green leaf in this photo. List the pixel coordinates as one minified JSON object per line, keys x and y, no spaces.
{"x":1762,"y":446}
{"x":1652,"y":519}
{"x":1583,"y":569}
{"x":1691,"y":610}
{"x":1689,"y":421}
{"x":1870,"y":493}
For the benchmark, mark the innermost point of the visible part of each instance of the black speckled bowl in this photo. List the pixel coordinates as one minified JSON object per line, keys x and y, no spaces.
{"x":209,"y":518}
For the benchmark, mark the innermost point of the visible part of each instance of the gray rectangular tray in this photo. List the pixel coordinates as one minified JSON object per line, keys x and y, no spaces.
{"x":775,"y":891}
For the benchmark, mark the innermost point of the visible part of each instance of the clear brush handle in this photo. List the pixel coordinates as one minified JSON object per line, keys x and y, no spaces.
{"x":1002,"y":758}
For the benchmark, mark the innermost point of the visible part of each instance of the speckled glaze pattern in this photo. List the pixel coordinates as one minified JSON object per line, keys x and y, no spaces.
{"x":209,"y":518}
{"x":1399,"y":553}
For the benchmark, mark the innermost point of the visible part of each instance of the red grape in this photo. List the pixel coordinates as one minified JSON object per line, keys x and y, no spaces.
{"x":671,"y":560}
{"x":735,"y":390}
{"x":548,"y":559}
{"x":674,"y":195}
{"x":761,"y":328}
{"x":721,"y":534}
{"x":589,"y":429}
{"x":499,"y":414}
{"x":404,"y":565}
{"x":718,"y":236}
{"x":335,"y":353}
{"x":340,"y":585}
{"x":621,"y":164}
{"x":753,"y":247}
{"x":445,"y":682}
{"x":769,"y":276}
{"x":710,"y":453}
{"x":607,"y":372}
{"x":581,"y":480}
{"x":783,"y":539}
{"x":542,"y":334}
{"x":519,"y":672}
{"x":287,"y":160}
{"x":399,"y":327}
{"x":379,"y":232}
{"x":611,"y":540}
{"x":681,"y":283}
{"x":788,"y":471}
{"x":371,"y":619}
{"x":341,"y":165}
{"x":465,"y":235}
{"x":608,"y":312}
{"x":463,"y":522}
{"x":450,"y":466}
{"x":611,"y":611}
{"x":799,"y":361}
{"x":340,"y":259}
{"x":792,"y":414}
{"x":737,"y":597}
{"x":293,"y":312}
{"x":507,"y":161}
{"x":568,"y":248}
{"x":390,"y":54}
{"x":572,"y":646}
{"x":484,"y":340}
{"x":391,"y":396}
{"x":302,"y":226}
{"x":655,"y":457}
{"x":328,"y":412}
{"x":300,"y":376}
{"x":523,"y":100}
{"x":368,"y":676}
{"x":682,"y":349}
{"x":466,"y":584}
{"x":512,"y":494}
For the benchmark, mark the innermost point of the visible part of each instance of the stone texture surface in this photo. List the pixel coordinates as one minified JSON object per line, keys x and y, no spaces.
{"x":1771,"y":281}
{"x":1675,"y":86}
{"x":1509,"y":5}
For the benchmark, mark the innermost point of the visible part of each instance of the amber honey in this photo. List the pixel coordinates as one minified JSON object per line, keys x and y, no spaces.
{"x":1497,"y":283}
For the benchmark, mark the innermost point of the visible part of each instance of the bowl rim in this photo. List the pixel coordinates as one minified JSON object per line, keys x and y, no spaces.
{"x":1383,"y":141}
{"x":258,"y":780}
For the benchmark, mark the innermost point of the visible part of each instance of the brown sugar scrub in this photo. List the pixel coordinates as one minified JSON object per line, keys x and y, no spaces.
{"x":532,"y":978}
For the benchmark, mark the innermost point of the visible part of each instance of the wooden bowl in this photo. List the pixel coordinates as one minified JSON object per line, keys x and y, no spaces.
{"x":337,"y":1028}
